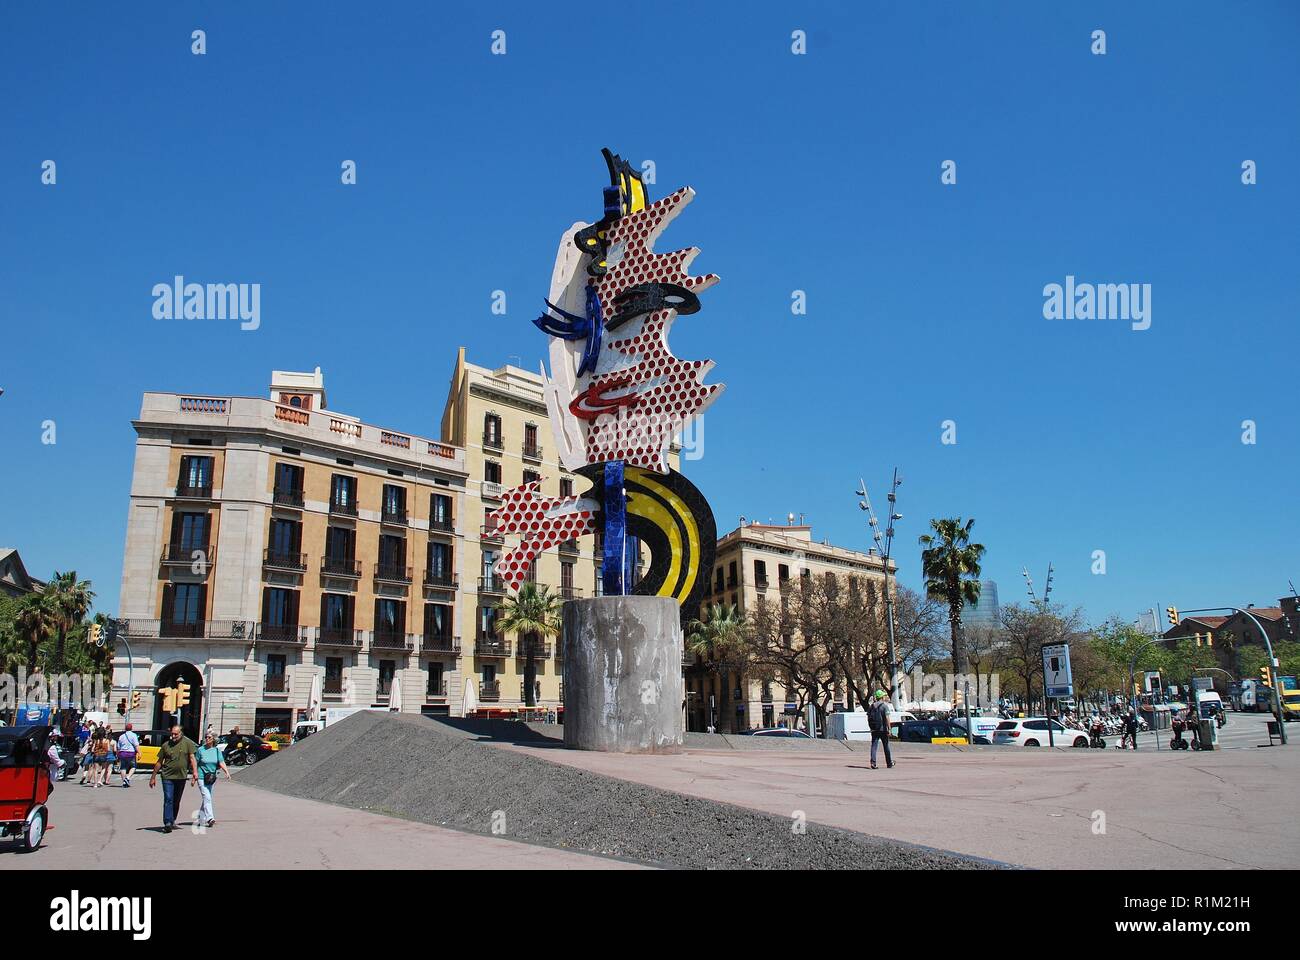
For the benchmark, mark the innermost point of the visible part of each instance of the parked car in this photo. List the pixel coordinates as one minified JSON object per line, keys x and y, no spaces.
{"x":778,"y":732}
{"x":247,"y":748}
{"x":1032,"y":732}
{"x":932,"y":731}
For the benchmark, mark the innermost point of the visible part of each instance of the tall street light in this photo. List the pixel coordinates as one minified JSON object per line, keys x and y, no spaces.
{"x":885,"y":543}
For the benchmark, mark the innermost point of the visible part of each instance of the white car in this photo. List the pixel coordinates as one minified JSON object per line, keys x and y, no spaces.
{"x":1032,"y":732}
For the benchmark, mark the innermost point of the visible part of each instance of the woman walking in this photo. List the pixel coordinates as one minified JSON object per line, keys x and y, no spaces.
{"x":102,"y":757}
{"x":210,"y":761}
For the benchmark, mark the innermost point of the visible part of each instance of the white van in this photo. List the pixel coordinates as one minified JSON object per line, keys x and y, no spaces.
{"x":980,"y":726}
{"x":856,"y":726}
{"x":1210,"y":704}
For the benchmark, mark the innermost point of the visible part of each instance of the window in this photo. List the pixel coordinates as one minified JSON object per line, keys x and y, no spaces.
{"x":190,"y":532}
{"x":285,"y":539}
{"x":440,"y":511}
{"x":387,"y":668}
{"x":531,"y":475}
{"x":288,"y":478}
{"x":530,"y":438}
{"x":394,"y":502}
{"x":783,"y":572}
{"x":196,"y":475}
{"x":566,"y":577}
{"x":186,"y":604}
{"x":492,"y":429}
{"x":566,"y":487}
{"x":760,"y":572}
{"x":436,"y":687}
{"x":279,"y":607}
{"x":489,"y":560}
{"x":392,"y":551}
{"x":437,"y":620}
{"x":343,"y":493}
{"x":489,"y":672}
{"x":390,"y":616}
{"x":718,"y":576}
{"x":275,"y":665}
{"x":487,"y":622}
{"x":340,"y":544}
{"x":439,"y":560}
{"x":492,"y":472}
{"x":336,"y":612}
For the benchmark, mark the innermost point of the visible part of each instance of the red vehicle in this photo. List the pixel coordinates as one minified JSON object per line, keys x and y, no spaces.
{"x":24,"y":784}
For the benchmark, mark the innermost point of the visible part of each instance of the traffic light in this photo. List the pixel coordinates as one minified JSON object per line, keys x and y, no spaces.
{"x":1208,"y":639}
{"x":1263,"y":676}
{"x":1172,"y":613}
{"x":135,"y":699}
{"x":110,"y":630}
{"x":96,"y":634}
{"x":182,"y":694}
{"x":121,"y":707}
{"x":957,"y":699}
{"x":168,"y":699}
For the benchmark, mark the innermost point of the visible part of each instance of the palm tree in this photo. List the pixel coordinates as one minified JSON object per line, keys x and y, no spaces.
{"x":951,"y":566}
{"x":70,"y":601}
{"x":716,"y":638}
{"x":35,"y":621}
{"x":532,"y":613}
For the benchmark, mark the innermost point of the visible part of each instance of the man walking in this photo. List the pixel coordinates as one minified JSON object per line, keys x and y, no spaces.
{"x":176,"y":762}
{"x":128,"y":745}
{"x":878,"y":720}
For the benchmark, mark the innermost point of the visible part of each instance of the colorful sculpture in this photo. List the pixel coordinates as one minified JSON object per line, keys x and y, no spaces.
{"x":616,"y":397}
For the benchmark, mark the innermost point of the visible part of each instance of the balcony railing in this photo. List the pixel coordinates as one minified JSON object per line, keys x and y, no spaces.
{"x":189,"y":554}
{"x":437,"y":580}
{"x":287,"y":498}
{"x":188,"y":630}
{"x":489,"y":690}
{"x":332,"y":687}
{"x":568,"y":592}
{"x":442,"y":525}
{"x":339,"y":637}
{"x":397,"y":516}
{"x":486,"y":645}
{"x":569,"y":546}
{"x":340,"y":567}
{"x":276,"y":684}
{"x":490,"y":531}
{"x":492,"y":584}
{"x":277,"y":633}
{"x":532,"y":451}
{"x":492,"y":489}
{"x":541,"y":649}
{"x":493,"y":441}
{"x":343,"y":509}
{"x":391,"y":640}
{"x":384,"y":687}
{"x":439,"y":643}
{"x":281,"y":560}
{"x":194,"y":491}
{"x":392,"y":573}
{"x":761,"y":583}
{"x":437,"y":691}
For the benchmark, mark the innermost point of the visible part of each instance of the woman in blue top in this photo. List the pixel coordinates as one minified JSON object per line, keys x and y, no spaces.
{"x":210,"y":760}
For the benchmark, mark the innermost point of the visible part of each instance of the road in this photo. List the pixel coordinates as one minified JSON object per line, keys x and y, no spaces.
{"x":1230,"y":808}
{"x":122,"y":829}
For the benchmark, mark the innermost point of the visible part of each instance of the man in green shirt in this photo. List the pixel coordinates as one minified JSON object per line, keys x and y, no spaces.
{"x":176,"y":762}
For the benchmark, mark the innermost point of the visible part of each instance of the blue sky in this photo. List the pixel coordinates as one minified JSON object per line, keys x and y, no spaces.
{"x":818,"y":172}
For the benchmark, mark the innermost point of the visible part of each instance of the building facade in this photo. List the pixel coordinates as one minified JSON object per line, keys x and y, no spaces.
{"x":273,"y":543}
{"x":756,"y":560}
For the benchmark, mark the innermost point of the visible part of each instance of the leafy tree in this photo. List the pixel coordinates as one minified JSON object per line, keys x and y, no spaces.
{"x":1027,"y":631}
{"x":533,"y":613}
{"x":951,"y":566}
{"x":69,"y":601}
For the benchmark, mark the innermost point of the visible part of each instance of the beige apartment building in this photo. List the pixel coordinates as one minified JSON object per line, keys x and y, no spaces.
{"x":273,"y":541}
{"x":753,"y":561}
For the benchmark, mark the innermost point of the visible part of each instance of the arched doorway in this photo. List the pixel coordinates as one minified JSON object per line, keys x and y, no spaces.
{"x":191,"y":715}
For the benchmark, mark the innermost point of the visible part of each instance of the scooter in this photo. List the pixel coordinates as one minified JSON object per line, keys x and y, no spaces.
{"x":1095,"y":739}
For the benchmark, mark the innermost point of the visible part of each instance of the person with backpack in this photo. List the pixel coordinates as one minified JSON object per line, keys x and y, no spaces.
{"x":878,"y":721}
{"x":128,"y":745}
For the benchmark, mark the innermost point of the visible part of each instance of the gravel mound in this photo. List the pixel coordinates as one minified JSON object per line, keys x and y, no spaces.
{"x":421,"y":769}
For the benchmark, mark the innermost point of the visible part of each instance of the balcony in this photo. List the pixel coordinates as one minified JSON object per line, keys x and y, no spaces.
{"x":394,"y":516}
{"x":437,"y":580}
{"x":287,"y":498}
{"x":188,"y":554}
{"x":489,"y":690}
{"x":392,"y":573}
{"x":340,"y":567}
{"x":193,"y":491}
{"x":532,"y":451}
{"x":541,"y":649}
{"x":342,"y":637}
{"x":492,"y":584}
{"x":489,"y":645}
{"x":391,"y":640}
{"x":436,"y":691}
{"x":278,"y":683}
{"x":332,"y":687}
{"x":281,"y":634}
{"x":569,"y":546}
{"x":343,"y":509}
{"x":439,"y":644}
{"x":490,"y":531}
{"x":384,"y":688}
{"x":444,"y":526}
{"x":171,"y":629}
{"x":569,"y":592}
{"x":493,"y":441}
{"x":280,"y":560}
{"x":491,"y":489}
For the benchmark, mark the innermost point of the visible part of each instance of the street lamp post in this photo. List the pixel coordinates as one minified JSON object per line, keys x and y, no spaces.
{"x":895,"y":689}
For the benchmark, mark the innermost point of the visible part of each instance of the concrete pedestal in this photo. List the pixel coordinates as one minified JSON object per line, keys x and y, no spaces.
{"x":623,"y":687}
